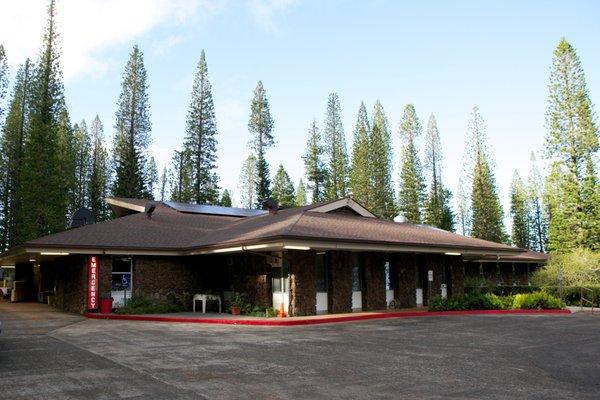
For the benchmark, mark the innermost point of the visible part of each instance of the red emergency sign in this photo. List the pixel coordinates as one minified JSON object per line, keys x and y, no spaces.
{"x":93,"y":277}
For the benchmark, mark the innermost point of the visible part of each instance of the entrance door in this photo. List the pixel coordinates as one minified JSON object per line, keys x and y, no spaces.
{"x":357,"y":282}
{"x":322,"y":283}
{"x":280,"y":286}
{"x":121,"y":283}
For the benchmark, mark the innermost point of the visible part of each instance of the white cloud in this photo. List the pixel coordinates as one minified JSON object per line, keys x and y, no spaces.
{"x":88,"y":27}
{"x":266,"y":12}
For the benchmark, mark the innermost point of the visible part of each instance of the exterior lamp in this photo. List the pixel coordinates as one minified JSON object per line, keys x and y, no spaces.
{"x":452,"y":254}
{"x":53,"y":253}
{"x":296,"y":247}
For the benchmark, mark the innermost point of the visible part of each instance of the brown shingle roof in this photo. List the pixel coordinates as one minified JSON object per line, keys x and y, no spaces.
{"x":169,"y":229}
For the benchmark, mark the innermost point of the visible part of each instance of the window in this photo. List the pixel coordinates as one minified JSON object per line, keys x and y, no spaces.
{"x":121,"y":274}
{"x":387,"y":276}
{"x":356,"y":273}
{"x":322,"y":272}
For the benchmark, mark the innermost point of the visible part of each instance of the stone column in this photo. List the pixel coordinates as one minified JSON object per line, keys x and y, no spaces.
{"x":105,"y":276}
{"x":339,"y":294}
{"x":457,"y":273}
{"x":373,"y":293}
{"x":435,"y":263}
{"x":405,"y":267}
{"x":303,"y":275}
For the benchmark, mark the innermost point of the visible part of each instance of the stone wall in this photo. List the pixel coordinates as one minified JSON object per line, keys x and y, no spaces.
{"x":105,"y":276}
{"x":252,"y":275}
{"x":339,"y":298}
{"x":302,"y":278}
{"x":164,"y":279}
{"x":404,"y":266}
{"x":457,"y":273}
{"x":71,"y":283}
{"x":435,"y":263}
{"x":373,"y":293}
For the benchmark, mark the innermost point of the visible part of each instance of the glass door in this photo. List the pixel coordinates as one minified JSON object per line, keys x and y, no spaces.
{"x":121,"y":283}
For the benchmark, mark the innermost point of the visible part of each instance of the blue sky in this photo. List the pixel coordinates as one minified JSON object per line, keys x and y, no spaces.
{"x":444,"y":57}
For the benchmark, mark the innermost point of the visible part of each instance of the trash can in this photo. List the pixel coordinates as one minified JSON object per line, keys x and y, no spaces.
{"x":106,"y":305}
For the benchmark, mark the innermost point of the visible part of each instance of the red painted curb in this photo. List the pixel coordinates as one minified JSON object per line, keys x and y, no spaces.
{"x":317,"y":320}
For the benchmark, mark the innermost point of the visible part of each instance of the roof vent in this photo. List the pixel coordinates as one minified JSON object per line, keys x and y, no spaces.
{"x":149,"y":209}
{"x":82,"y":217}
{"x":401,"y":219}
{"x":270,"y":205}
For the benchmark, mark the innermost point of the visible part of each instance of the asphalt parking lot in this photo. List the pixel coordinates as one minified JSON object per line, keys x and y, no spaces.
{"x":50,"y":355}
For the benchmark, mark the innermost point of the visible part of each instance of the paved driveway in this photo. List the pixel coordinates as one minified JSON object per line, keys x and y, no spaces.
{"x":50,"y":355}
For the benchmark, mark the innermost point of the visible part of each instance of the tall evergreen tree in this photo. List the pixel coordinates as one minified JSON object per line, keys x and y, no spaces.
{"x":283,"y":189}
{"x":359,"y":181}
{"x":152,"y":177}
{"x":300,"y":199}
{"x":538,"y":214}
{"x":201,"y":138}
{"x":519,"y":212}
{"x":164,"y":180}
{"x":12,"y":144}
{"x":3,"y":81}
{"x":99,"y":178}
{"x":462,"y":209}
{"x":247,"y":184}
{"x":80,"y":153}
{"x":336,"y":185}
{"x":437,"y":208}
{"x":412,"y":186}
{"x":314,"y":164}
{"x":571,"y":144}
{"x":261,"y":126}
{"x":486,"y":211}
{"x":180,"y":182}
{"x":225,"y":199}
{"x":44,"y":200}
{"x":382,"y":200}
{"x":133,"y":131}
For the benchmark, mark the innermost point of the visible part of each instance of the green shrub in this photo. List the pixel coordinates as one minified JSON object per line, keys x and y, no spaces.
{"x":538,"y":301}
{"x":578,"y":268}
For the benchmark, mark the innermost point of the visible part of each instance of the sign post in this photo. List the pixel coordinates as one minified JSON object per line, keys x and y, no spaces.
{"x":93,"y":276}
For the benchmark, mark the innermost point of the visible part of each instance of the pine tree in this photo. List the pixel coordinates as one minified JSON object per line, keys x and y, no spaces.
{"x":300,"y":199}
{"x":152,"y":177}
{"x":180,"y":182}
{"x":164,"y":180}
{"x":3,"y":81}
{"x":336,"y":185}
{"x":538,"y":214}
{"x":79,"y":149}
{"x":519,"y":212}
{"x":12,"y":144}
{"x":486,"y":210}
{"x":314,"y":165}
{"x":201,"y":138}
{"x":261,"y":126}
{"x":590,"y":191}
{"x":360,"y":171}
{"x":225,"y":199}
{"x":44,"y":198}
{"x":133,"y":131}
{"x":571,"y":144}
{"x":463,"y":210}
{"x":247,"y":184}
{"x":437,"y":208}
{"x":99,"y":174}
{"x":283,"y":189}
{"x":382,"y":200}
{"x":412,"y":186}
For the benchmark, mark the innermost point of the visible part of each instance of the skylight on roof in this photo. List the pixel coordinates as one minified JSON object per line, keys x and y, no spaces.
{"x":213,"y":210}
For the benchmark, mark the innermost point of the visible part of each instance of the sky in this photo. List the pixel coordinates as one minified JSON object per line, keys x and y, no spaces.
{"x":443,"y":57}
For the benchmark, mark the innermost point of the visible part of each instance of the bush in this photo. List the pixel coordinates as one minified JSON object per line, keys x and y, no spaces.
{"x":578,"y":268}
{"x":538,"y":301}
{"x":142,"y":305}
{"x":571,"y":295}
{"x":490,"y":301}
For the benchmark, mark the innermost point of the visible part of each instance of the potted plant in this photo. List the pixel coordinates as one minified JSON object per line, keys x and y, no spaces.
{"x":237,"y":302}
